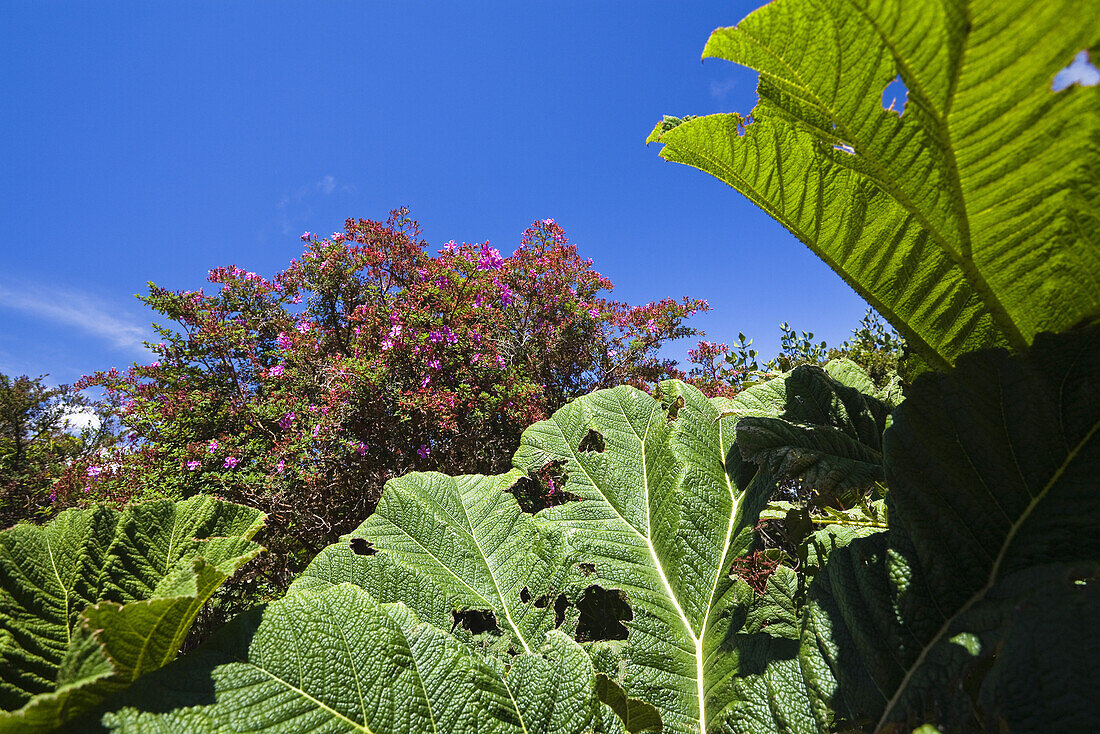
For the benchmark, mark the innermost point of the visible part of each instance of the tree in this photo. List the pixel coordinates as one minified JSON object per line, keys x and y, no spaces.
{"x":368,"y":358}
{"x":43,"y":447}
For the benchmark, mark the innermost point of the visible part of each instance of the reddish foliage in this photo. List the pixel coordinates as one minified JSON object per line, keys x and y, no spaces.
{"x":755,"y":568}
{"x":368,"y":358}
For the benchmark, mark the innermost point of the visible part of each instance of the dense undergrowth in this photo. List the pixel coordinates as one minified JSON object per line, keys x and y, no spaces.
{"x":818,"y":546}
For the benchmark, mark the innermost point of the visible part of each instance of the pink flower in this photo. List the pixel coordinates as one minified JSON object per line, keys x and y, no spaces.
{"x":155,"y":364}
{"x":282,"y":341}
{"x":490,"y":258}
{"x":193,"y":465}
{"x":286,"y":420}
{"x":500,"y":361}
{"x":337,"y":236}
{"x":230,"y":462}
{"x":476,"y":357}
{"x":305,"y":235}
{"x":276,"y":371}
{"x":94,"y":471}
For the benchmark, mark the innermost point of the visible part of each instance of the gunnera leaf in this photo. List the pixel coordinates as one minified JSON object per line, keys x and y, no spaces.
{"x":97,"y":598}
{"x":659,"y":516}
{"x":992,"y":555}
{"x":828,"y":436}
{"x":463,"y":543}
{"x":333,"y":659}
{"x":968,"y":219}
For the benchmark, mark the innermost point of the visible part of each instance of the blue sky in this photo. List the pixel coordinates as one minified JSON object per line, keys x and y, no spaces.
{"x":153,"y":141}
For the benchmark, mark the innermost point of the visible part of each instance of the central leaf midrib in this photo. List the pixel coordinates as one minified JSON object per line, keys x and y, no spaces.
{"x":492,"y":576}
{"x":696,"y":641}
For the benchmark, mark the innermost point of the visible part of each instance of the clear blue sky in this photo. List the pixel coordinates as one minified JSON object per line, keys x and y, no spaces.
{"x":153,"y":141}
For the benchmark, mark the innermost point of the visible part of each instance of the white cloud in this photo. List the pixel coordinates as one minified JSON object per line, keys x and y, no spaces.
{"x":78,"y":310}
{"x":78,"y":419}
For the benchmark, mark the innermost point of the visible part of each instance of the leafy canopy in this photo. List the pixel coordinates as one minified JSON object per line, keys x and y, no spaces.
{"x":968,"y":219}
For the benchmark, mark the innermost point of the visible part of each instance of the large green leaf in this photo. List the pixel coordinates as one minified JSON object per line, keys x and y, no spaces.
{"x":333,"y":659}
{"x":469,"y":545}
{"x":658,"y":516}
{"x":97,"y":598}
{"x":970,"y":220}
{"x":991,"y":561}
{"x":828,"y":436}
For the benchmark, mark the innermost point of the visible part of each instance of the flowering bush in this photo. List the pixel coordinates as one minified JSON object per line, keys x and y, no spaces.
{"x":366,"y":359}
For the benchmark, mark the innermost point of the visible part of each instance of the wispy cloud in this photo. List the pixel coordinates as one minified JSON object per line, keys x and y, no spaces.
{"x":77,"y":310}
{"x":721,"y":90}
{"x":294,"y":206}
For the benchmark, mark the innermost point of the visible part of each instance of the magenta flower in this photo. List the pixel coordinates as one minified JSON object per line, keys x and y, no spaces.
{"x":94,"y":471}
{"x":427,"y":379}
{"x":213,"y":446}
{"x":449,"y":247}
{"x":434,"y":364}
{"x":476,"y":357}
{"x":281,"y":466}
{"x":316,"y":430}
{"x":282,"y":341}
{"x":286,"y":420}
{"x":423,"y":451}
{"x":361,"y":448}
{"x":303,"y":326}
{"x":305,"y":235}
{"x":337,"y":236}
{"x":387,"y":343}
{"x":435,"y":336}
{"x":490,"y":258}
{"x":593,"y":312}
{"x":276,"y":371}
{"x":193,"y":465}
{"x":230,"y":462}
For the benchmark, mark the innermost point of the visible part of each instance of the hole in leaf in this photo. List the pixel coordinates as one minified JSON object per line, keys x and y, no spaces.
{"x":476,"y":621}
{"x":1080,"y":71}
{"x":560,"y":605}
{"x":543,"y":488}
{"x":587,"y":568}
{"x":674,"y":408}
{"x":602,"y":613}
{"x":592,"y":441}
{"x":894,"y":96}
{"x":362,"y":547}
{"x":525,"y":595}
{"x":845,"y":148}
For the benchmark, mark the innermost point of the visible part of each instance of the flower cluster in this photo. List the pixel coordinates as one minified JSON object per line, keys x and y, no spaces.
{"x":368,"y":358}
